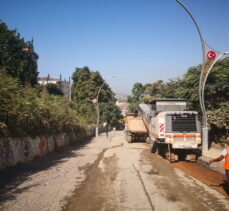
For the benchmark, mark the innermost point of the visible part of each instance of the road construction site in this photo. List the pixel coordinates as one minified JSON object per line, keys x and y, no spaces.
{"x":111,"y":174}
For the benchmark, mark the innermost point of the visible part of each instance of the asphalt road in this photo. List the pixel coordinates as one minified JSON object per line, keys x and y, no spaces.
{"x":105,"y":174}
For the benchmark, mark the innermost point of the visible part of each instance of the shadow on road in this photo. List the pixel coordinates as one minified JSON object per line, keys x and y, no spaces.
{"x":12,"y":177}
{"x":225,"y":187}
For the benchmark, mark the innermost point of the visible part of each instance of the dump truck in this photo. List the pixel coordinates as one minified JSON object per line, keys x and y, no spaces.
{"x":174,"y":132}
{"x":135,"y":128}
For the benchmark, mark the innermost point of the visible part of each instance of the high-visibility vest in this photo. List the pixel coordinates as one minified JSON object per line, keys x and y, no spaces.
{"x":226,"y":162}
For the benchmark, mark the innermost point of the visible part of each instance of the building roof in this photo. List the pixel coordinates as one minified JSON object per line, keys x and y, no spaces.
{"x":47,"y":79}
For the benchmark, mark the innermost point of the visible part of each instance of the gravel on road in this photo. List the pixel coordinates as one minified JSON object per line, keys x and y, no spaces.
{"x":46,"y":183}
{"x":105,"y":174}
{"x":126,"y":177}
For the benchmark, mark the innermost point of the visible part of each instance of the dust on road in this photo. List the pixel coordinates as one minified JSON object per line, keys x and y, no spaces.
{"x":128,"y":177}
{"x":44,"y":184}
{"x":105,"y":174}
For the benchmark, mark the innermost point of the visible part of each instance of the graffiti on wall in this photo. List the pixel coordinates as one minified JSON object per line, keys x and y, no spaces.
{"x":6,"y":152}
{"x":41,"y":145}
{"x":25,"y":148}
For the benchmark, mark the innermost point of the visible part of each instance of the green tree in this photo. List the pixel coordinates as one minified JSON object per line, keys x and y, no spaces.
{"x":54,"y":89}
{"x":17,"y":57}
{"x":154,"y":91}
{"x":216,"y":95}
{"x":29,"y":110}
{"x":26,"y":112}
{"x":85,"y":88}
{"x":137,"y":95}
{"x":8,"y":90}
{"x":217,"y":86}
{"x":216,"y":90}
{"x":110,"y":114}
{"x":219,"y":122}
{"x":186,"y":87}
{"x":86,"y":85}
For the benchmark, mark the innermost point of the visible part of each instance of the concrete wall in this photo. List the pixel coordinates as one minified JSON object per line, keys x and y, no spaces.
{"x":22,"y":150}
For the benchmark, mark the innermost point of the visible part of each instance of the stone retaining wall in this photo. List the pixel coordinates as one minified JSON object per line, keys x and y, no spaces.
{"x":21,"y":150}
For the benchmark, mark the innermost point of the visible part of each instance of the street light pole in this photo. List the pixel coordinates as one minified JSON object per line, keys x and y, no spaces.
{"x":96,"y":103}
{"x":210,"y":57}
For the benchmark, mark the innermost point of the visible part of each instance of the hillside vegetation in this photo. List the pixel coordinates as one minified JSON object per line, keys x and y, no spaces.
{"x":30,"y":109}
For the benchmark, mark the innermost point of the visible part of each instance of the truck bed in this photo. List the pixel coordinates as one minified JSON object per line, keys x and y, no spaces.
{"x":136,"y":125}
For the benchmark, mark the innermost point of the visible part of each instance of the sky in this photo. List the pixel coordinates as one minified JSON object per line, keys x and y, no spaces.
{"x":133,"y":40}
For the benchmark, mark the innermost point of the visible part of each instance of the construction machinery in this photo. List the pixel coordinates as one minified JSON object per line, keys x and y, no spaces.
{"x":174,"y":132}
{"x":135,"y":128}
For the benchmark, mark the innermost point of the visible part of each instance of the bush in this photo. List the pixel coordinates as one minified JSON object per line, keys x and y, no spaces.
{"x":25,"y":111}
{"x":219,"y":123}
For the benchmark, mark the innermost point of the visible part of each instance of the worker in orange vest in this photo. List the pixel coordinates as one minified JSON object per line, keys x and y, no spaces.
{"x":224,"y":155}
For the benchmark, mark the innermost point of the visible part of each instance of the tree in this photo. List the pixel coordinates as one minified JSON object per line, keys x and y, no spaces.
{"x":155,"y":91}
{"x":217,"y":86}
{"x":219,"y":122}
{"x":137,"y":95}
{"x":86,"y":84}
{"x":110,"y":114}
{"x":138,"y":91}
{"x":216,"y":90}
{"x":8,"y":90}
{"x":216,"y":94}
{"x":17,"y":57}
{"x":29,"y":110}
{"x":54,"y":89}
{"x":186,"y":87}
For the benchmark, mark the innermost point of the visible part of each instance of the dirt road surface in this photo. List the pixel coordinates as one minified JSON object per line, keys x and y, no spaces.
{"x":108,"y":174}
{"x":128,"y":177}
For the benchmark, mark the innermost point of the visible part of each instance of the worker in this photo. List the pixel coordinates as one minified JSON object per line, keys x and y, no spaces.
{"x":106,"y":126}
{"x":224,"y":154}
{"x":107,"y":131}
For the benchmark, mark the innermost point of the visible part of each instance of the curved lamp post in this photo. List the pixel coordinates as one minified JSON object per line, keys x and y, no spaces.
{"x":96,"y":104}
{"x":210,"y":57}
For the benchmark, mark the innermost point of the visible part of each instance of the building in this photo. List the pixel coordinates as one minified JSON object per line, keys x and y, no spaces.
{"x":123,"y":106}
{"x":47,"y":80}
{"x":65,"y":86}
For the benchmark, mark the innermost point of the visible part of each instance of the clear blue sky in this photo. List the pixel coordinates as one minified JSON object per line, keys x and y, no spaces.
{"x":135,"y":40}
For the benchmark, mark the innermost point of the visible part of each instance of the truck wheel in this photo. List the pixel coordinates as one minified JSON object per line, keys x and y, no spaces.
{"x":148,"y":140}
{"x":162,"y":150}
{"x":172,"y":157}
{"x":154,"y":147}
